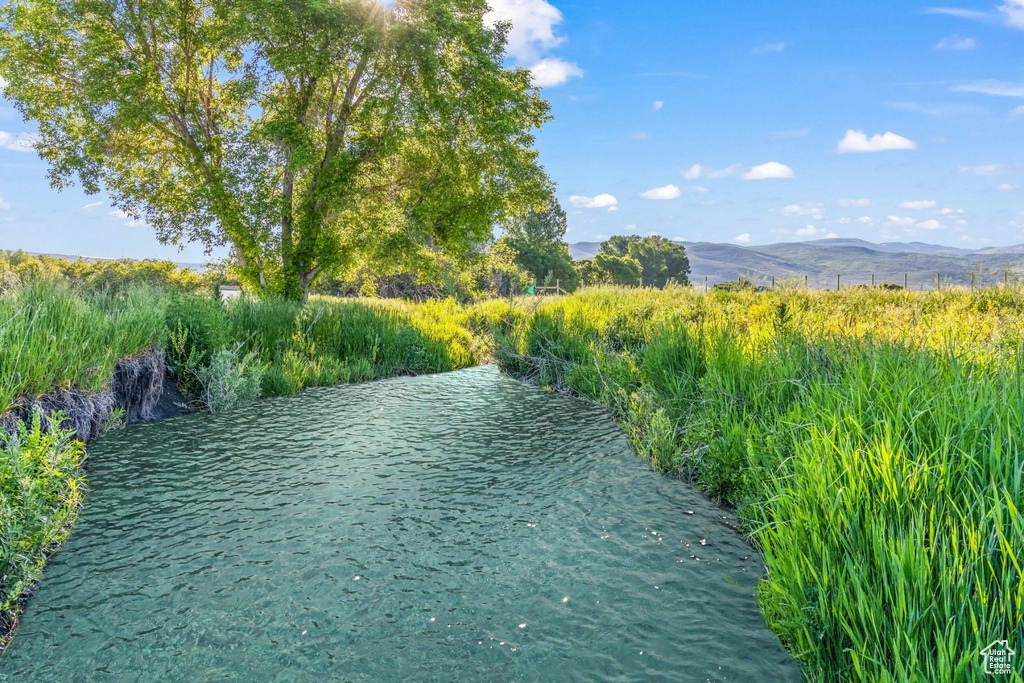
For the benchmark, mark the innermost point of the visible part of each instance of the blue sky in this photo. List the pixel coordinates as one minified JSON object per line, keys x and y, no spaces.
{"x":732,"y":122}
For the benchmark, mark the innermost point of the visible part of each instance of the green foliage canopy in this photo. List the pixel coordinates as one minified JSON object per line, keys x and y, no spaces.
{"x":303,"y":135}
{"x":538,"y":239}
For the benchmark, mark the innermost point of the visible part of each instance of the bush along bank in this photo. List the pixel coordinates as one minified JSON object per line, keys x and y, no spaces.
{"x":75,"y":361}
{"x":872,"y":443}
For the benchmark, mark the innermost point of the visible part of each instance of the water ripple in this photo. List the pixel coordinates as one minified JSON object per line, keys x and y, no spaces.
{"x":450,"y":527}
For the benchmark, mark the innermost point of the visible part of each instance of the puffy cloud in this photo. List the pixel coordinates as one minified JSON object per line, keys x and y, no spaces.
{"x":601,"y":201}
{"x":955,"y":42}
{"x":553,"y":71}
{"x":698,"y":171}
{"x":4,"y":204}
{"x":857,"y":141}
{"x":815,"y":210}
{"x":1018,"y":111}
{"x":924,"y":204}
{"x":985,"y":169}
{"x":631,"y":227}
{"x":897,"y":222}
{"x":770,"y":170}
{"x":951,"y":212}
{"x":854,"y":203}
{"x":809,"y":231}
{"x":866,"y":220}
{"x":911,"y":224}
{"x":533,"y":26}
{"x":17,"y":142}
{"x":92,"y":205}
{"x":658,"y":104}
{"x":1013,"y":13}
{"x":1007,"y":187}
{"x":129,"y":220}
{"x":993,"y":87}
{"x":666,"y":192}
{"x":742,"y":239}
{"x":532,"y":37}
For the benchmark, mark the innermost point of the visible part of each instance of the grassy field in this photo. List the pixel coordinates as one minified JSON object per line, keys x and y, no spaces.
{"x":870,"y":440}
{"x":873,"y":443}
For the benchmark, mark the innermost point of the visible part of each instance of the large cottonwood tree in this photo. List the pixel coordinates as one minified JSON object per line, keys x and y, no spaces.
{"x":303,"y":134}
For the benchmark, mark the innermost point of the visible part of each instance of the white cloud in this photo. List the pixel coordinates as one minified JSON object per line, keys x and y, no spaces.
{"x":993,"y":87}
{"x":769,"y":47}
{"x":1018,"y":111}
{"x":930,"y":225}
{"x":129,"y":221}
{"x":532,"y":37}
{"x":533,"y":26}
{"x":770,"y":170}
{"x":4,"y":204}
{"x":857,"y":141}
{"x":639,"y":135}
{"x":958,"y":12}
{"x":1013,"y":13}
{"x":631,"y":227}
{"x":1007,"y":187}
{"x":17,"y":142}
{"x":985,"y":169}
{"x":854,"y":203}
{"x":92,"y":205}
{"x":815,"y":210}
{"x":698,"y":171}
{"x":955,"y":42}
{"x":553,"y":71}
{"x":923,"y":204}
{"x":742,"y":239}
{"x":844,"y":221}
{"x":666,"y":192}
{"x":791,"y":133}
{"x":809,"y":231}
{"x":601,"y":201}
{"x":897,"y":222}
{"x":866,"y":220}
{"x":658,"y":104}
{"x":951,"y":212}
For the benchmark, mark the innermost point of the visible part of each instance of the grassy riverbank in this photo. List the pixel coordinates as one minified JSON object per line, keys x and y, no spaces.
{"x":59,"y":339}
{"x":872,"y":441}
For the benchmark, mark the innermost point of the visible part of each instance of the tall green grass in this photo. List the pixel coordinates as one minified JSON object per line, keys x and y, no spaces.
{"x":53,"y":337}
{"x":872,"y":441}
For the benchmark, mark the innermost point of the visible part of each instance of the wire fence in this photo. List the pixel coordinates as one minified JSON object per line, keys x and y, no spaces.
{"x":914,"y":281}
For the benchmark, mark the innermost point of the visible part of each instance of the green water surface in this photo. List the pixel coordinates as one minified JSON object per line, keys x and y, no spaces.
{"x":457,"y":527}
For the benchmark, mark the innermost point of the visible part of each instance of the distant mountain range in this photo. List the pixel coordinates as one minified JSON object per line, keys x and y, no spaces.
{"x":853,"y":260}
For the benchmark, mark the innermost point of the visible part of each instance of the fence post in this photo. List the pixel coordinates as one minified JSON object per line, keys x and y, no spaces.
{"x":773,"y":282}
{"x":938,"y":282}
{"x":905,"y":281}
{"x":872,"y":279}
{"x":837,"y":282}
{"x":705,"y":284}
{"x":972,"y":282}
{"x":1005,"y":275}
{"x":805,"y":282}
